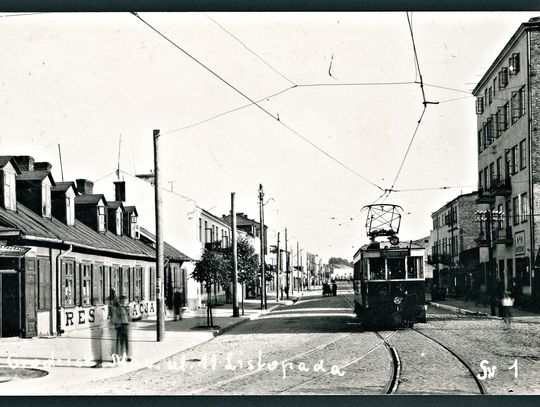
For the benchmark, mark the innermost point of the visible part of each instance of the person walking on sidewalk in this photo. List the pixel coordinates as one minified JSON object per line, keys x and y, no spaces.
{"x":507,"y":302}
{"x":177,"y":305}
{"x":121,"y":324}
{"x":97,"y":336}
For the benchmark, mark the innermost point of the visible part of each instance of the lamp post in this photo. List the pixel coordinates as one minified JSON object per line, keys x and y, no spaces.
{"x":487,"y":219}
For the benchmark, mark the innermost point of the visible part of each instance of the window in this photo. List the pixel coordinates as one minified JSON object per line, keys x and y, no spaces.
{"x":376,"y":269}
{"x":44,"y":285}
{"x":98,"y":284}
{"x":503,"y":78}
{"x":524,"y":202}
{"x":494,"y":85}
{"x":508,"y":213}
{"x":46,"y":199}
{"x":488,"y":131}
{"x":510,"y":157}
{"x":515,"y":210}
{"x":206,"y":232}
{"x":200,"y":231}
{"x":491,"y":174}
{"x":522,"y":155}
{"x":514,"y":159}
{"x":518,"y":104}
{"x":396,"y":268}
{"x":480,"y":183}
{"x":68,"y":295}
{"x":486,"y":179}
{"x":152,"y":283}
{"x":124,"y":281}
{"x":114,"y":282}
{"x":101,"y":218}
{"x":480,"y":142}
{"x":490,"y":95}
{"x":498,"y":169}
{"x":497,"y":120}
{"x":514,"y":64}
{"x":414,"y":267}
{"x":86,"y":284}
{"x":479,"y":105}
{"x":10,"y":198}
{"x":505,"y":117}
{"x":500,"y":219}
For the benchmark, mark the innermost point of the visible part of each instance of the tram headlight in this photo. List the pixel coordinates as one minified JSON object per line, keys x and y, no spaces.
{"x":397,"y":300}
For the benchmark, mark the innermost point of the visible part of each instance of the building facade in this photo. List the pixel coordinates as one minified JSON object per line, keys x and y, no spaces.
{"x":65,"y":254}
{"x":453,"y":237}
{"x":508,"y":122}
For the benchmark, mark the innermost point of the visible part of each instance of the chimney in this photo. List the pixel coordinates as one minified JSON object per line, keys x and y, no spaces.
{"x":42,"y":166}
{"x":120,"y":191}
{"x":84,"y":186}
{"x":25,"y":162}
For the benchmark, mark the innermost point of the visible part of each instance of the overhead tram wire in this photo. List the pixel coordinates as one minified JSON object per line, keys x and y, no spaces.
{"x":254,"y":102}
{"x":424,"y":102}
{"x":250,"y":50}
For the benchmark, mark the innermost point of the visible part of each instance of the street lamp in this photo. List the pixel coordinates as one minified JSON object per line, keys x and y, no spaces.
{"x":487,"y":218}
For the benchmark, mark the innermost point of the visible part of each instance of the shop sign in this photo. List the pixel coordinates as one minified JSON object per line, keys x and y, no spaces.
{"x":13,"y":251}
{"x":519,"y":243}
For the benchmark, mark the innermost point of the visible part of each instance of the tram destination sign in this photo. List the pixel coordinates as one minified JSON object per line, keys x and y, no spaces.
{"x":13,"y":251}
{"x":395,"y":253}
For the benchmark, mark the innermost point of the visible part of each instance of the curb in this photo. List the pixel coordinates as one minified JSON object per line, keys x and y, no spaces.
{"x":462,"y":310}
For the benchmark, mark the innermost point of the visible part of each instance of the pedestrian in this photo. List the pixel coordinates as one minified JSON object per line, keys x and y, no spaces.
{"x":177,"y":304}
{"x":334,"y":289}
{"x":97,"y":336}
{"x":121,"y":324}
{"x":444,"y":290}
{"x":507,"y":302}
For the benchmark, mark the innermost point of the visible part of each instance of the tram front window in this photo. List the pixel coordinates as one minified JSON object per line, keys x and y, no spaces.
{"x":415,"y":267}
{"x":376,"y":269}
{"x":396,"y":269}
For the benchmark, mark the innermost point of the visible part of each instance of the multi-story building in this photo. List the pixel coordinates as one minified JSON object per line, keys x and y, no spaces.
{"x":508,"y":124}
{"x":453,"y":237}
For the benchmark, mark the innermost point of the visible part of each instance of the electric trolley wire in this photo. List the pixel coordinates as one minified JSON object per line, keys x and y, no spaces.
{"x":250,"y":50}
{"x":254,"y":102}
{"x":307,"y":85}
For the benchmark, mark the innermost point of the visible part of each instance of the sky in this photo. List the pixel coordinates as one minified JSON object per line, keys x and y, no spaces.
{"x":341,"y":84}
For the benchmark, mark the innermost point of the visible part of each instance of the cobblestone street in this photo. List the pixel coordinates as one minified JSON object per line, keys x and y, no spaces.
{"x":316,"y":346}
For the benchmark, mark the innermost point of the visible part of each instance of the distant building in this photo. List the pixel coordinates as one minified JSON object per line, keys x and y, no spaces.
{"x":454,"y":234}
{"x":341,"y":272}
{"x":508,"y":122}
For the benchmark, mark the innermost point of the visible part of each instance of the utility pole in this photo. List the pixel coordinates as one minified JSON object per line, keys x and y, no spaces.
{"x":261,"y":224}
{"x":160,"y":323}
{"x":236,"y":310}
{"x":298,"y":265}
{"x":485,"y":217}
{"x":308,"y":273}
{"x":278,"y":262}
{"x":287,"y":285}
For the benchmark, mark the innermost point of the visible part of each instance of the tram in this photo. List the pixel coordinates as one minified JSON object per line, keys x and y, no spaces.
{"x":389,"y":284}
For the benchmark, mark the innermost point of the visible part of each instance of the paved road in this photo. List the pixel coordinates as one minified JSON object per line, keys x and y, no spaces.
{"x":316,"y":346}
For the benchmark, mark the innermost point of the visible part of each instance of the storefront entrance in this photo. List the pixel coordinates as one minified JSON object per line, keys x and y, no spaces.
{"x":9,"y":303}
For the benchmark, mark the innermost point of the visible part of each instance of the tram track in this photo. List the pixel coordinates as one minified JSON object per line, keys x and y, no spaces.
{"x":479,"y":384}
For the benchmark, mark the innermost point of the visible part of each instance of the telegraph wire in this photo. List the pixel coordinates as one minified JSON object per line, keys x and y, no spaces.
{"x":227,"y":112}
{"x":254,"y":102}
{"x":306,"y":85}
{"x":253,"y":52}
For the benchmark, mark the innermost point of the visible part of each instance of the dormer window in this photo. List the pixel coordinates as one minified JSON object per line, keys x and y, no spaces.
{"x":46,"y":198}
{"x":101,"y":219}
{"x":134,"y":227}
{"x":10,"y":197}
{"x":119,"y":222}
{"x":70,"y":210}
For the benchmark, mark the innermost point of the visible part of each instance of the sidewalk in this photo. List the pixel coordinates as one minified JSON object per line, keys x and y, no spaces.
{"x":472,"y":308}
{"x":68,"y":358}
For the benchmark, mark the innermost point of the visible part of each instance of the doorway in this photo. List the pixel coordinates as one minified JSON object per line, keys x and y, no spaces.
{"x":9,"y":303}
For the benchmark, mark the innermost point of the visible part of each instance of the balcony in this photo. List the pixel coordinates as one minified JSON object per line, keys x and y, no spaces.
{"x":503,"y":236}
{"x":484,"y":196}
{"x":500,"y":187}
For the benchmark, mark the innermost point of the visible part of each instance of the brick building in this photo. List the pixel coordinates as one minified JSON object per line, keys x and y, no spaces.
{"x":453,"y":244}
{"x":508,"y":115}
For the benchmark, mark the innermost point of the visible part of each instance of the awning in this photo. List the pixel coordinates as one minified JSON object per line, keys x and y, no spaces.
{"x":13,"y":251}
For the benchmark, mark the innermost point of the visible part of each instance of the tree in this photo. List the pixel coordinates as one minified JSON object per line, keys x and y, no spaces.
{"x":338,"y":260}
{"x":247,"y":263}
{"x":209,"y":270}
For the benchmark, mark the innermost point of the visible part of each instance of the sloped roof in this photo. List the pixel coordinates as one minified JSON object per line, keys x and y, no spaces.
{"x":4,"y":159}
{"x":89,"y":199}
{"x":35,"y":227}
{"x":168,"y":250}
{"x":38,"y":175}
{"x":64,"y":186}
{"x":131,"y":209}
{"x":115,"y":204}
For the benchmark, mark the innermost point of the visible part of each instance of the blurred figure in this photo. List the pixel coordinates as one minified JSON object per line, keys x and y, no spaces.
{"x":177,"y":305}
{"x":121,"y":323}
{"x":97,"y":336}
{"x":444,"y":291}
{"x":334,"y":289}
{"x":507,"y":302}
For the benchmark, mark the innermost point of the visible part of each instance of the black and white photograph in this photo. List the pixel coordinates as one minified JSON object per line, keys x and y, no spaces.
{"x":298,"y":203}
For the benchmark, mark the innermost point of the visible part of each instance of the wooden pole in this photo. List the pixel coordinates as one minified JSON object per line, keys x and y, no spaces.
{"x":160,"y":323}
{"x":261,"y":224}
{"x":236,"y":310}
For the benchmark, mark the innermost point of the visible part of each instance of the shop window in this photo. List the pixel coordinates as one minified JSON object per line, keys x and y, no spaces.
{"x":68,"y":284}
{"x":115,"y":282}
{"x":86,"y":284}
{"x":98,"y":288}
